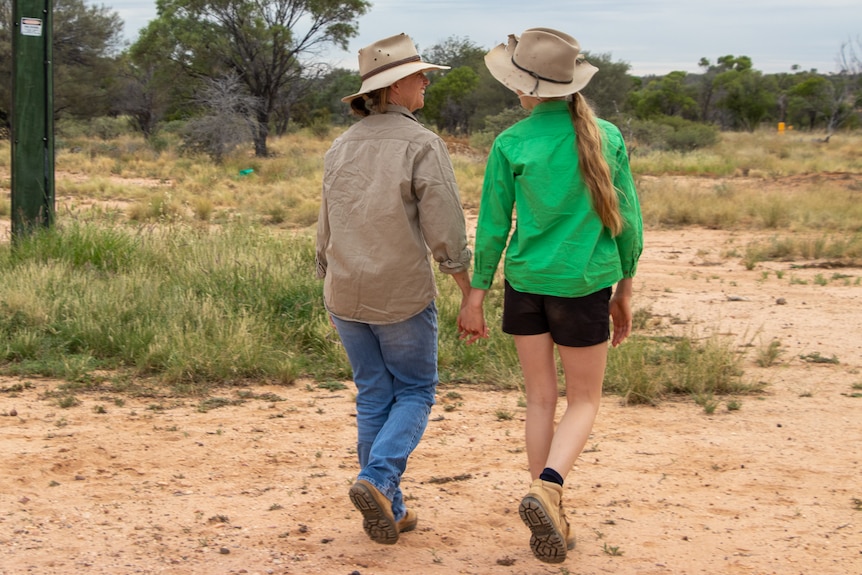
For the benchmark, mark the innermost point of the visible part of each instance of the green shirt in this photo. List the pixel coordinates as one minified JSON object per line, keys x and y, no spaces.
{"x":559,"y":246}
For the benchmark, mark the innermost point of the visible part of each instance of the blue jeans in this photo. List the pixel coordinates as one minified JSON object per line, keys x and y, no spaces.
{"x":395,"y":371}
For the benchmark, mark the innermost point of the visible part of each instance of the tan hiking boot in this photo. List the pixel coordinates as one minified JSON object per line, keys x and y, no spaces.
{"x":377,"y":519}
{"x":570,"y":537}
{"x":541,"y":511}
{"x":408,"y":522}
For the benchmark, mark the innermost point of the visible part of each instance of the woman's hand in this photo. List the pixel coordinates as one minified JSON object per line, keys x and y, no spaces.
{"x":621,"y":311}
{"x":471,"y":319}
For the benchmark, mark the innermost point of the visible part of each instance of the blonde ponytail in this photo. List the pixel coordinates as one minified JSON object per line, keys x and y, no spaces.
{"x":593,"y":165}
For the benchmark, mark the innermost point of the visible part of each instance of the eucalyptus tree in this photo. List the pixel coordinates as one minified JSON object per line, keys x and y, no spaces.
{"x":450,"y":102}
{"x":456,"y":51}
{"x":268,"y":44}
{"x":748,"y":96}
{"x":810,"y":100}
{"x":669,"y":95}
{"x":322,"y":102}
{"x":736,"y":95}
{"x":608,"y":90}
{"x":711,"y":90}
{"x":847,"y":84}
{"x":5,"y":68}
{"x":454,"y":98}
{"x":86,"y":41}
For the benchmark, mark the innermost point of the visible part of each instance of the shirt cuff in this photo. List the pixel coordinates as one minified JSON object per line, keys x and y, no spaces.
{"x":481,"y":281}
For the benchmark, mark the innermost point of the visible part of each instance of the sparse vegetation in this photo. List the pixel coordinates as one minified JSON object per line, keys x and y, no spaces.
{"x":612,"y":550}
{"x":768,"y":354}
{"x":649,"y":368}
{"x":172,"y":270}
{"x":332,"y":385}
{"x":816,"y":357}
{"x":503,"y":415}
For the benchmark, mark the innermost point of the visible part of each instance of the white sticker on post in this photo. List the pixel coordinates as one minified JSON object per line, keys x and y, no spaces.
{"x":31,"y":27}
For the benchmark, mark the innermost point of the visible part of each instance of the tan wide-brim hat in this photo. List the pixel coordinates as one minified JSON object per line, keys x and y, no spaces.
{"x":544,"y":63}
{"x":386,"y":61}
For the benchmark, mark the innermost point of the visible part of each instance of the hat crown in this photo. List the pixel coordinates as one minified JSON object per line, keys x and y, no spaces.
{"x":386,"y":54}
{"x":543,"y":63}
{"x":545,"y":53}
{"x":387,"y":61}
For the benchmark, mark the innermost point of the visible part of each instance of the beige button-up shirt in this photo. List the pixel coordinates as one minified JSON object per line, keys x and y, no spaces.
{"x":389,"y":200}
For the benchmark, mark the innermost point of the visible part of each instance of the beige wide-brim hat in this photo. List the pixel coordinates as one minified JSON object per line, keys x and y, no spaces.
{"x":386,"y":61}
{"x":544,"y":63}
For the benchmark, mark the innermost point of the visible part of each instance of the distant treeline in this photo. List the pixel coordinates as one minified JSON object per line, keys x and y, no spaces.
{"x":239,"y":71}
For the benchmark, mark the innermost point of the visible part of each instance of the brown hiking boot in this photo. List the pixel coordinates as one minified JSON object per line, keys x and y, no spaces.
{"x":408,"y":522}
{"x":377,"y":519}
{"x":540,"y":510}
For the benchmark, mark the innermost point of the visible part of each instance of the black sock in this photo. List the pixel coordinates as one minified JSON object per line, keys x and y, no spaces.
{"x":550,"y":475}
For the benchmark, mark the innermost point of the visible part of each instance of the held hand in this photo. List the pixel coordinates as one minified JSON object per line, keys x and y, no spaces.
{"x":471,"y":324}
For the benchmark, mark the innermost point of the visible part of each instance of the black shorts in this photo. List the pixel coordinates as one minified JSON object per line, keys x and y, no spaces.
{"x":571,"y":321}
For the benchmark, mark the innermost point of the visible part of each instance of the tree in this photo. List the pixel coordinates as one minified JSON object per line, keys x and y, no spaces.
{"x":491,"y":98}
{"x":811,"y":98}
{"x":736,"y":95}
{"x":488,"y":97}
{"x":268,"y":44}
{"x":747,"y":95}
{"x":609,"y":88}
{"x":143,"y":97}
{"x":666,"y":96}
{"x":453,"y":98}
{"x":323,"y":99}
{"x":87,"y":40}
{"x":5,"y":68}
{"x":85,"y":43}
{"x":456,"y":52}
{"x":847,"y":84}
{"x":707,"y":95}
{"x":294,"y":100}
{"x":450,"y":102}
{"x":229,"y":121}
{"x":850,"y":58}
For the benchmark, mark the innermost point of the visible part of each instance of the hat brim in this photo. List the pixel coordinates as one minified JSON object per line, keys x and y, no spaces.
{"x":389,"y":77}
{"x":499,"y":63}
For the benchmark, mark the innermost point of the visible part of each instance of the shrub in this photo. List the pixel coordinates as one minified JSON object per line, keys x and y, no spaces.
{"x":671,"y":133}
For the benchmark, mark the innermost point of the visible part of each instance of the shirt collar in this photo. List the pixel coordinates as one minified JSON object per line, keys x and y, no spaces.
{"x":550,"y":106}
{"x":398,"y":109}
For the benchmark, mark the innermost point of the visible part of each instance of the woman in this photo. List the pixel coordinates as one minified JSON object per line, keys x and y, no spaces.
{"x":578,"y":233}
{"x":389,"y":198}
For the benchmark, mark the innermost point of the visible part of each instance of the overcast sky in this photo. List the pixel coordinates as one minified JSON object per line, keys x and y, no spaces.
{"x":652,"y":36}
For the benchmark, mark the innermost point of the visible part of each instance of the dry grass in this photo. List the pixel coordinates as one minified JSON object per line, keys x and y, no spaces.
{"x":764,"y":180}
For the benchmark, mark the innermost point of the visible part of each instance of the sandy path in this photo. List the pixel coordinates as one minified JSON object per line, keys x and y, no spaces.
{"x":157,"y":486}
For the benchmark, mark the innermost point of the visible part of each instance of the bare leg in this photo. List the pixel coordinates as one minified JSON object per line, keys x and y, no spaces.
{"x":584,"y":369}
{"x":536,"y":354}
{"x":541,"y":509}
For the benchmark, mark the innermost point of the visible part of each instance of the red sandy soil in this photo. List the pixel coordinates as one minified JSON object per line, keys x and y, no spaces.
{"x":156,"y":485}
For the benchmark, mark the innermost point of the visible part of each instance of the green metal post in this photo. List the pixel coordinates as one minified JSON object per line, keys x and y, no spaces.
{"x":32,"y":116}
